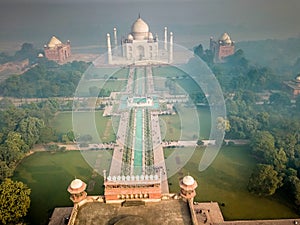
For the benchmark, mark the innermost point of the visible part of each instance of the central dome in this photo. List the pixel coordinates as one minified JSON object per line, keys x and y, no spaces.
{"x":140,"y":26}
{"x":225,"y":38}
{"x":54,"y":41}
{"x":140,"y":29}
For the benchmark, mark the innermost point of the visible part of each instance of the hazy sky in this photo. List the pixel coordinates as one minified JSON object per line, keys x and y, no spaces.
{"x":191,"y":20}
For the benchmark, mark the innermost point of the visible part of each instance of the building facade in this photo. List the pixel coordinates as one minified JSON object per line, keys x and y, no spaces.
{"x":294,"y":86}
{"x":119,"y":189}
{"x":56,"y":50}
{"x":140,"y":45}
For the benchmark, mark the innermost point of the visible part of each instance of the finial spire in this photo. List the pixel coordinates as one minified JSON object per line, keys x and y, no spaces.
{"x":139,"y":15}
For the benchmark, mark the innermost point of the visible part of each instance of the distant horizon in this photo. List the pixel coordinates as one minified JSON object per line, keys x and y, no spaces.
{"x":191,"y":21}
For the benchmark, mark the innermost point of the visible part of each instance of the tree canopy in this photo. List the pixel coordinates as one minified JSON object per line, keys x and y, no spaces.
{"x":14,"y":201}
{"x":21,"y":128}
{"x":44,"y":82}
{"x":264,"y":180}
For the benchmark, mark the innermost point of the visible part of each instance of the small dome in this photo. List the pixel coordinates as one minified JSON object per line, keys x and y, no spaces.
{"x":75,"y":184}
{"x":150,"y":36}
{"x":298,"y":78}
{"x":130,"y":37}
{"x":228,"y":41}
{"x":188,"y":180}
{"x":225,"y":37}
{"x":140,"y":26}
{"x":54,"y":41}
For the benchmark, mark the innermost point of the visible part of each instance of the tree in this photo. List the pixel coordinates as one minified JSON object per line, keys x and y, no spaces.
{"x":27,"y":52}
{"x":279,"y":160}
{"x":47,"y":134}
{"x":223,"y":124}
{"x":199,"y":51}
{"x":264,"y":180}
{"x":5,"y":171}
{"x":298,"y":103}
{"x":294,"y":188}
{"x":30,"y":129}
{"x":280,"y":98}
{"x":14,"y":201}
{"x":13,"y":148}
{"x":6,"y":103}
{"x":263,"y":119}
{"x":262,"y":143}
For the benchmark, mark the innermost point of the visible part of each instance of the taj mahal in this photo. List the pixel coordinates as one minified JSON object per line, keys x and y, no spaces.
{"x":140,"y":46}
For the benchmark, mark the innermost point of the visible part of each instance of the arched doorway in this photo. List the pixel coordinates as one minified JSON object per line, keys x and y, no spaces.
{"x":141,"y":52}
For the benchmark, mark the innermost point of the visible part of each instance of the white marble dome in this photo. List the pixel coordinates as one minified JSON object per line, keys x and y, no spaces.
{"x":298,"y":78}
{"x":150,"y":36}
{"x":140,"y":26}
{"x":75,"y":184}
{"x":140,"y":29}
{"x":130,"y":37}
{"x":188,"y":180}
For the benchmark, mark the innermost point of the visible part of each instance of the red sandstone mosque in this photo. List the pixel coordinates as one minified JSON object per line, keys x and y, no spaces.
{"x":57,"y":51}
{"x":294,"y":86}
{"x":222,"y":48}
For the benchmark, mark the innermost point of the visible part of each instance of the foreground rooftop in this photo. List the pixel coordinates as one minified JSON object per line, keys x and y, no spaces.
{"x":164,"y":212}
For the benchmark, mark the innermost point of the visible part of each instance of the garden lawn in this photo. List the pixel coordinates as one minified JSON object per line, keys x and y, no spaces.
{"x":225,"y":181}
{"x":105,"y":73}
{"x":170,"y":125}
{"x":49,"y":174}
{"x":109,"y":85}
{"x":62,"y":123}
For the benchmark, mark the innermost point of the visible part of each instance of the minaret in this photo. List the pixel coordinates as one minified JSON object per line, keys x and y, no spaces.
{"x":166,"y":38}
{"x":171,"y":48}
{"x":109,"y":54}
{"x":115,"y":37}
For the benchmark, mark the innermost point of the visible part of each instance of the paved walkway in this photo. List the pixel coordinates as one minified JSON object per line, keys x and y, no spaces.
{"x":159,"y":160}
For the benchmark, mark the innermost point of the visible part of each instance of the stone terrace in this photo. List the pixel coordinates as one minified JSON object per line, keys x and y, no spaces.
{"x":167,"y":212}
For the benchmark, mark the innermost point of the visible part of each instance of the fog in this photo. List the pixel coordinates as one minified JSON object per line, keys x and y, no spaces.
{"x":86,"y":23}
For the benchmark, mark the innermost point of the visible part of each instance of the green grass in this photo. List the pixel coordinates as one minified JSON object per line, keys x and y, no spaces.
{"x":105,"y":73}
{"x":103,"y":78}
{"x":49,"y":174}
{"x":205,"y":122}
{"x":182,"y":80}
{"x":62,"y":123}
{"x":170,"y":125}
{"x":167,"y":71}
{"x":111,"y":85}
{"x":225,"y":181}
